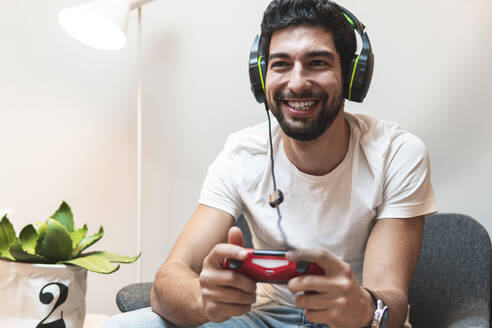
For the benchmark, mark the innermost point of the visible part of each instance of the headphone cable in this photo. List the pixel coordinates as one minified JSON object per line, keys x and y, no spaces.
{"x":276,"y":197}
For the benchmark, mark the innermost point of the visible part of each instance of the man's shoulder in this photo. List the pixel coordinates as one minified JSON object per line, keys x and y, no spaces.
{"x":371,"y":127}
{"x":249,"y":140}
{"x":381,"y":131}
{"x":385,"y":137}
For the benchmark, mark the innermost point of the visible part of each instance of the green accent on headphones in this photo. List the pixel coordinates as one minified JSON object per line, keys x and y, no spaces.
{"x":352,"y":78}
{"x":349,"y":19}
{"x":261,"y":73}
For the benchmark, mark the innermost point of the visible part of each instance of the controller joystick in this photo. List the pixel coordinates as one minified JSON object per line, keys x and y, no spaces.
{"x":234,"y":264}
{"x":302,"y":267}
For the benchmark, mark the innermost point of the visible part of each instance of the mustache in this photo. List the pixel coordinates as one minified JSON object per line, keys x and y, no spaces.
{"x":279,"y":96}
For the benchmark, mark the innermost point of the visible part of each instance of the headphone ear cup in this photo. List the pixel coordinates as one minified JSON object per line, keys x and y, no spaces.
{"x":359,"y":75}
{"x":257,"y":71}
{"x":349,"y":78}
{"x":364,"y":75}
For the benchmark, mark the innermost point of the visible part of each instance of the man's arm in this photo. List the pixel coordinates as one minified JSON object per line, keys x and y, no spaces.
{"x":392,"y":254}
{"x":188,"y":284}
{"x":391,"y":257}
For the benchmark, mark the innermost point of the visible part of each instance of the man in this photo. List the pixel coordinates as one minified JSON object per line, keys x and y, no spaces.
{"x":356,"y":193}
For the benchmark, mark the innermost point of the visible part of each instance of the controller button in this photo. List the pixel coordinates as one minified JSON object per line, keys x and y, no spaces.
{"x":234,"y":264}
{"x":302,"y":266}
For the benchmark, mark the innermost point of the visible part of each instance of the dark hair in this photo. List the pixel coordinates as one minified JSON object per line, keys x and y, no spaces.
{"x":324,"y":13}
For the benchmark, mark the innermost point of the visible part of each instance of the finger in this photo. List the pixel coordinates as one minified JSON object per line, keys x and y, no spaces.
{"x":318,"y":301}
{"x":229,"y":295}
{"x":329,"y":285}
{"x":327,"y":261}
{"x":235,"y":236}
{"x":227,"y":278}
{"x":309,"y":283}
{"x":221,"y":252}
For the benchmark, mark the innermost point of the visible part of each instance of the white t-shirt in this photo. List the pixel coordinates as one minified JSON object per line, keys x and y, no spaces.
{"x":385,"y":174}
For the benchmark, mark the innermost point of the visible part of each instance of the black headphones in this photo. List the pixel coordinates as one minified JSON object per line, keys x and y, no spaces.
{"x":357,"y":76}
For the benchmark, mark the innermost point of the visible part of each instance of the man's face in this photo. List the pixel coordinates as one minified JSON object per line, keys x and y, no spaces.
{"x":304,"y":81}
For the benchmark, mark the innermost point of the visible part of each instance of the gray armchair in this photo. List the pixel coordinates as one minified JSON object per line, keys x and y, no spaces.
{"x":451,"y":285}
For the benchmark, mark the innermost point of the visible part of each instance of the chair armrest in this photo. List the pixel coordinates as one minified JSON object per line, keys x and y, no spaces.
{"x":134,"y":296}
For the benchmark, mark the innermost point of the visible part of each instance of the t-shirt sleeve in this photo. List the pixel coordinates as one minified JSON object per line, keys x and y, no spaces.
{"x":219,"y":190}
{"x":407,"y":189}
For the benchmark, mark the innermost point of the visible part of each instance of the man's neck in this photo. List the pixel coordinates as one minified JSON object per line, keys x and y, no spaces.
{"x":323,"y":154}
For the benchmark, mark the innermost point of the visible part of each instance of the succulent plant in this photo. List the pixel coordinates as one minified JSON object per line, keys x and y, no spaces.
{"x":56,"y":241}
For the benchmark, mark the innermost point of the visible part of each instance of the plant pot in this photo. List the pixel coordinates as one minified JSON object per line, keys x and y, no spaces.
{"x":42,"y":295}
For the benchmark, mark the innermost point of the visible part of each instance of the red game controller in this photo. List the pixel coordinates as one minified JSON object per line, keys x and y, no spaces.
{"x":271,"y":266}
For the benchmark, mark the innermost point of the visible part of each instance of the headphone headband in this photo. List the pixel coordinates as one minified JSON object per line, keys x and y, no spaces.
{"x":356,"y":24}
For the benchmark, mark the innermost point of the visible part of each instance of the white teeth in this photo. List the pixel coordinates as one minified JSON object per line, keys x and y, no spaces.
{"x":301,"y":105}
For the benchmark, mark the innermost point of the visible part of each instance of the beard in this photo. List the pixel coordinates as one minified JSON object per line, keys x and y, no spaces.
{"x":301,"y":129}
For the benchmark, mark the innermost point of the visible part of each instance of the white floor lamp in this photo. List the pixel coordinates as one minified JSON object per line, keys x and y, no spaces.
{"x":102,"y":24}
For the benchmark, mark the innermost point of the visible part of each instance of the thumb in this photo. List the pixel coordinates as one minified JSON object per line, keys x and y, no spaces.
{"x":235,"y":236}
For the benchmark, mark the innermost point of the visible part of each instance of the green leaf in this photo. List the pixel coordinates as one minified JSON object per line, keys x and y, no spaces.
{"x":7,"y":237}
{"x":7,"y":259}
{"x":64,"y":216}
{"x":43,"y":228}
{"x":28,"y":237}
{"x":88,"y":241}
{"x":116,"y":258}
{"x":22,"y":256}
{"x":56,"y":244}
{"x":78,"y":235}
{"x":95,"y":262}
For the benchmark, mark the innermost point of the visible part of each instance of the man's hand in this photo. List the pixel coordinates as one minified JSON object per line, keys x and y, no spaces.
{"x":226,"y":293}
{"x":335,"y":298}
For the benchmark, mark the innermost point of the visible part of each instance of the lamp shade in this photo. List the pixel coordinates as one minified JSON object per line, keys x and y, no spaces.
{"x":100,"y":24}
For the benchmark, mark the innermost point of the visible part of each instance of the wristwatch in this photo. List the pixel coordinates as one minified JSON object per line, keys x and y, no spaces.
{"x":380,"y":317}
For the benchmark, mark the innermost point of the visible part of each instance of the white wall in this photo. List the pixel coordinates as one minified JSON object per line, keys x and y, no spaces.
{"x":67,"y":122}
{"x":67,"y":132}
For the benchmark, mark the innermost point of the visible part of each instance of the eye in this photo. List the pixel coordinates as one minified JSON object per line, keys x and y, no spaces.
{"x":318,"y":62}
{"x":279,"y":64}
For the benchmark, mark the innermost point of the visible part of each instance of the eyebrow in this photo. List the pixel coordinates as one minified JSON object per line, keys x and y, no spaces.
{"x":322,"y":53}
{"x":318,"y":53}
{"x":278,"y":55}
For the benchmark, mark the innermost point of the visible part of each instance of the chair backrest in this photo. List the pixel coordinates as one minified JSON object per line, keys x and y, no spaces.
{"x":243,"y":225}
{"x":451,"y":285}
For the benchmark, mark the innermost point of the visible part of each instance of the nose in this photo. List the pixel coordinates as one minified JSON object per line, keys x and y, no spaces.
{"x":298,"y":79}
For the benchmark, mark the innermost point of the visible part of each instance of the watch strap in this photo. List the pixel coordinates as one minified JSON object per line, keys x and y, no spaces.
{"x":379,"y":312}
{"x":374,"y":298}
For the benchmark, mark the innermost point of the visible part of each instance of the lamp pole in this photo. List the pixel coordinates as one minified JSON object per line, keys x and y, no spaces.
{"x":139,"y":148}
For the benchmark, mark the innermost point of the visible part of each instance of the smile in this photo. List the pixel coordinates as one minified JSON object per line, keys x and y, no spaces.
{"x":301,"y":105}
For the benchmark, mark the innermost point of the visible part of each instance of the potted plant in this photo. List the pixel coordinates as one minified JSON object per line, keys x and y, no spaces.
{"x":43,"y":271}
